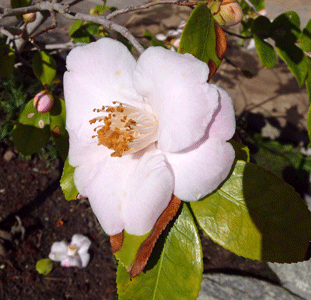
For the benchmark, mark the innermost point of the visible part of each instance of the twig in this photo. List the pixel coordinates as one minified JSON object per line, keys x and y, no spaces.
{"x":63,"y":46}
{"x":237,"y":35}
{"x":148,"y":5}
{"x":252,"y":6}
{"x":307,"y":53}
{"x":64,"y":10}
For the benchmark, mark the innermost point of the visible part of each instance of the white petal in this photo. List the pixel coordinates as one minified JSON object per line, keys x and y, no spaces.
{"x":148,"y":192}
{"x":223,"y":123}
{"x":175,"y":86}
{"x":58,"y":251}
{"x":82,"y":242}
{"x":100,"y":183}
{"x":85,"y":258}
{"x":71,"y":261}
{"x":129,"y":192}
{"x":200,"y":171}
{"x":98,"y":73}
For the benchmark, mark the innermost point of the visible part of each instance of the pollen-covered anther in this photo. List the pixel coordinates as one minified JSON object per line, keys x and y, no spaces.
{"x":125,"y":129}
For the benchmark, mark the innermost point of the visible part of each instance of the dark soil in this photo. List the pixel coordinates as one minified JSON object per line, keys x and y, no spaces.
{"x":30,"y":190}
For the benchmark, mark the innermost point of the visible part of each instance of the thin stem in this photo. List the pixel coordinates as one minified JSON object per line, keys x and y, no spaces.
{"x":237,"y":35}
{"x":252,"y":6}
{"x":148,"y":5}
{"x":63,"y":9}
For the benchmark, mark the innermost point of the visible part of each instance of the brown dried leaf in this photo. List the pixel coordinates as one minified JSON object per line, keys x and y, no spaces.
{"x":146,"y":247}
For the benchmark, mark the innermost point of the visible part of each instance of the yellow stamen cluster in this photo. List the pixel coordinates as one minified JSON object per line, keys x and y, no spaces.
{"x":126,"y":129}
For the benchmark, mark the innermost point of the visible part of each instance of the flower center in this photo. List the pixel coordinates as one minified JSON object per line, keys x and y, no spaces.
{"x":72,"y":250}
{"x":126,"y":129}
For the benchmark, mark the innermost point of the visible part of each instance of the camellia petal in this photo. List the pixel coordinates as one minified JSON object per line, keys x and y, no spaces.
{"x":98,"y":74}
{"x":85,"y":258}
{"x":58,"y":251}
{"x":202,"y":169}
{"x":222,"y":125}
{"x":176,"y":87}
{"x":149,"y":192}
{"x":82,"y":242}
{"x":117,"y":197}
{"x":71,"y":261}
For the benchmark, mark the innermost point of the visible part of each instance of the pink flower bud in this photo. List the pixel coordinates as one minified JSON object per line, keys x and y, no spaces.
{"x":30,"y":17}
{"x":226,"y":12}
{"x":43,"y":101}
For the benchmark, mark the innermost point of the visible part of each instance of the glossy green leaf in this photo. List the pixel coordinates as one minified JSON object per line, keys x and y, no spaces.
{"x":286,"y":27}
{"x":19,"y":3}
{"x":44,"y":67}
{"x":259,"y":4}
{"x":32,"y":130}
{"x":57,"y":125}
{"x":82,"y":32}
{"x":7,"y":59}
{"x":257,"y":215}
{"x":285,"y":30}
{"x":241,"y":151}
{"x":67,"y":182}
{"x":295,"y":59}
{"x":44,"y":266}
{"x":130,"y":245}
{"x":308,"y":79}
{"x":305,"y":38}
{"x":75,"y":26}
{"x":261,"y":27}
{"x":266,"y":52}
{"x":174,"y":270}
{"x":199,"y":36}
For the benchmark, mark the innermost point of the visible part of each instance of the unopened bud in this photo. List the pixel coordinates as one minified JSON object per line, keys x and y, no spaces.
{"x":43,"y":101}
{"x":93,"y":12}
{"x":226,"y":12}
{"x":30,"y":17}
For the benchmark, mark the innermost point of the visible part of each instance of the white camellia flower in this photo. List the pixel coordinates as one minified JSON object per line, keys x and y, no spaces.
{"x":74,"y":254}
{"x":142,"y":131}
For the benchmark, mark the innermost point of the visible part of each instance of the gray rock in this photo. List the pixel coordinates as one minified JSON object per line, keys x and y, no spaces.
{"x":233,"y":287}
{"x":295,"y":277}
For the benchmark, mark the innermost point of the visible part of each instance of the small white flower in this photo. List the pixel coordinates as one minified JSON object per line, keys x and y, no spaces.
{"x":74,"y":254}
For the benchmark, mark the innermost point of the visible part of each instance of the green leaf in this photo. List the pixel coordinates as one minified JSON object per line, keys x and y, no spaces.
{"x":74,"y":27}
{"x":174,"y":270}
{"x":286,"y":27}
{"x":57,"y":125}
{"x":261,"y":26}
{"x":285,"y":30}
{"x":44,"y":266}
{"x":308,"y":79}
{"x":32,"y":130}
{"x":44,"y":67}
{"x":295,"y":59}
{"x":19,"y":3}
{"x":241,"y":151}
{"x":265,"y":52}
{"x":7,"y":59}
{"x":130,"y":245}
{"x":257,"y":215}
{"x":305,"y":38}
{"x":259,"y":4}
{"x":199,"y":37}
{"x":67,"y":182}
{"x":82,"y":32}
